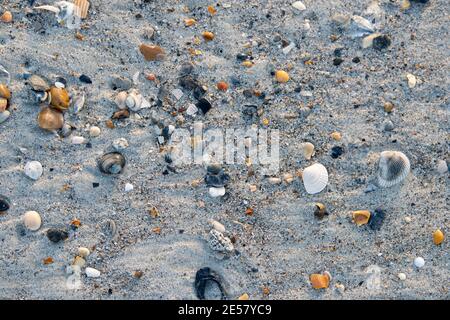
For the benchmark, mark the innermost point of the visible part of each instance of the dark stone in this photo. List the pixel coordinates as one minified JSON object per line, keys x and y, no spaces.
{"x":338,"y":52}
{"x":5,"y":203}
{"x":120,"y":83}
{"x":420,"y":1}
{"x":214,"y":169}
{"x":165,"y":133}
{"x":57,"y":235}
{"x":356,"y":60}
{"x":84,"y":78}
{"x":250,"y":111}
{"x":376,"y":219}
{"x":248,"y":93}
{"x":218,"y":180}
{"x":199,"y":91}
{"x":62,"y":80}
{"x":242,"y":57}
{"x":381,"y":42}
{"x":95,"y":184}
{"x":168,"y":158}
{"x":336,"y":151}
{"x":337,"y":61}
{"x":202,"y":277}
{"x":204,"y":105}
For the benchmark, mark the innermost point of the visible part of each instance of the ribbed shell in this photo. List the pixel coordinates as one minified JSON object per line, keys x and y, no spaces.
{"x":315,"y":178}
{"x":112,"y":163}
{"x":393,"y":167}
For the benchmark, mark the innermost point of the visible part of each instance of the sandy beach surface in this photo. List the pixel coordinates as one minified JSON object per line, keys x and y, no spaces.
{"x":334,"y":85}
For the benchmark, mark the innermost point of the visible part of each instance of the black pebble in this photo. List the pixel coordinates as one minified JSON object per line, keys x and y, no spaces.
{"x":204,"y":105}
{"x":356,"y":60}
{"x":242,"y":56}
{"x":57,"y":235}
{"x":199,"y":92}
{"x":376,"y":219}
{"x":381,"y":42}
{"x":95,"y":184}
{"x":336,"y":152}
{"x":201,"y":279}
{"x":338,"y":52}
{"x":337,"y":61}
{"x":5,"y":203}
{"x":84,"y":78}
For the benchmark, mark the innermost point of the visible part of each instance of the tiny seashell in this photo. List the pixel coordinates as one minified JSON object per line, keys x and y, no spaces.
{"x":216,"y":192}
{"x":393,"y":167}
{"x":361,"y":217}
{"x":92,"y":273}
{"x":152,"y":52}
{"x":32,"y":220}
{"x":412,"y":80}
{"x":59,"y":98}
{"x":120,"y":99}
{"x":83,"y":252}
{"x":217,"y":226}
{"x":308,"y":150}
{"x":128,"y":187}
{"x":120,"y":144}
{"x":94,"y":131}
{"x":78,"y":103}
{"x":360,"y":27}
{"x":78,"y":140}
{"x":438,"y":236}
{"x":136,"y":78}
{"x":81,"y":8}
{"x":133,"y":101}
{"x":442,"y":166}
{"x":33,"y":170}
{"x":315,"y":178}
{"x":3,"y":104}
{"x":38,"y":83}
{"x":274,"y":180}
{"x":202,"y":277}
{"x":5,"y":203}
{"x":320,"y":210}
{"x":50,"y":119}
{"x":299,"y":5}
{"x":112,"y":163}
{"x":5,"y":92}
{"x":319,"y":281}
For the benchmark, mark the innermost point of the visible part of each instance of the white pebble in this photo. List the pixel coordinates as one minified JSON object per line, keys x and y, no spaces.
{"x":299,"y":5}
{"x":92,"y":273}
{"x":33,"y":170}
{"x":83,"y":252}
{"x":408,"y":219}
{"x":412,"y":81}
{"x":216,"y":192}
{"x":32,"y":220}
{"x":419,"y":262}
{"x":442,"y":166}
{"x":128,"y":187}
{"x":402,"y":276}
{"x":78,"y":140}
{"x":217,"y":226}
{"x":94,"y":131}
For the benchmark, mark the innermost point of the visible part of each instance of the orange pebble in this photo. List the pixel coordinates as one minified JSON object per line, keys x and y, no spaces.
{"x":208,"y":36}
{"x":438,"y":237}
{"x":151,"y":77}
{"x":6,"y":17}
{"x":319,"y":281}
{"x":223,"y":86}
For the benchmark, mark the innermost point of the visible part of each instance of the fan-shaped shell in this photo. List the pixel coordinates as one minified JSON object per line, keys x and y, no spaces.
{"x":393,"y":167}
{"x":315,"y":178}
{"x":59,"y":98}
{"x":112,"y":163}
{"x":50,"y":119}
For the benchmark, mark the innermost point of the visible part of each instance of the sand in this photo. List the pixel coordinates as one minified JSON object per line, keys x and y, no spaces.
{"x":282,"y":243}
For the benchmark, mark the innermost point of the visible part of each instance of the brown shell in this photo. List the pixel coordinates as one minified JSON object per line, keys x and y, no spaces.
{"x":59,"y":98}
{"x":319,"y":281}
{"x":50,"y":119}
{"x":361,"y":217}
{"x":152,"y":53}
{"x":4,"y":92}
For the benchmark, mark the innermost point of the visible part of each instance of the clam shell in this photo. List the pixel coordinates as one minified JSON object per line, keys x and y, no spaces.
{"x":38,"y":84}
{"x":315,"y":178}
{"x":50,"y":119}
{"x":59,"y":98}
{"x":121,"y":99}
{"x":4,"y":92}
{"x":393,"y":167}
{"x":112,"y":163}
{"x":81,"y":8}
{"x":32,"y":220}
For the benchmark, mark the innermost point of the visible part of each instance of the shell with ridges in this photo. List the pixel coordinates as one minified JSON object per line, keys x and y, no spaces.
{"x":393,"y":167}
{"x":112,"y":163}
{"x":50,"y":119}
{"x":315,"y":178}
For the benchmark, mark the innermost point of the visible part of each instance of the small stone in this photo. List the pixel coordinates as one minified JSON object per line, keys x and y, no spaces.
{"x":376,"y":219}
{"x":408,"y":219}
{"x":299,"y":5}
{"x":120,"y":83}
{"x":367,"y":42}
{"x":33,"y":170}
{"x":356,"y":60}
{"x":84,"y":78}
{"x":281,"y":76}
{"x":57,"y":235}
{"x":149,"y":32}
{"x":6,"y":17}
{"x":388,"y":125}
{"x":32,"y":220}
{"x":92,"y":273}
{"x":402,"y":276}
{"x":204,"y":105}
{"x":216,"y":192}
{"x":120,"y":144}
{"x":388,"y":107}
{"x":78,"y":140}
{"x":336,"y":136}
{"x":442,"y":166}
{"x":438,"y":237}
{"x":4,"y":116}
{"x":217,"y":226}
{"x":336,"y":152}
{"x":208,"y":36}
{"x":412,"y":81}
{"x":94,"y":131}
{"x":419,"y":262}
{"x":222,"y":86}
{"x":189,"y":22}
{"x":83,"y":252}
{"x":381,"y":42}
{"x":128,"y":187}
{"x":152,"y":52}
{"x":337,"y":61}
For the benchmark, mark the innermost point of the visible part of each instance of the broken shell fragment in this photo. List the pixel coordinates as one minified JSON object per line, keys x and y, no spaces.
{"x":412,"y":80}
{"x":92,"y":273}
{"x":361,"y":217}
{"x":152,"y":53}
{"x":78,"y":104}
{"x":315,"y":178}
{"x":38,"y":84}
{"x":320,"y":210}
{"x":320,"y":281}
{"x":112,"y":163}
{"x":202,"y":277}
{"x":393,"y":167}
{"x":32,"y":220}
{"x":59,"y":98}
{"x":208,"y":36}
{"x":308,"y":150}
{"x":438,"y":237}
{"x":120,"y":99}
{"x":50,"y":119}
{"x":219,"y":243}
{"x":81,"y":8}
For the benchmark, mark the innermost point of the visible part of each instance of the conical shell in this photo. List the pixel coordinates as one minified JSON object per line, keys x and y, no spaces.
{"x":50,"y":119}
{"x":315,"y":178}
{"x":393,"y":167}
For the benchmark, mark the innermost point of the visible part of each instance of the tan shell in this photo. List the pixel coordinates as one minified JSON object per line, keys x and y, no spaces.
{"x":3,"y":104}
{"x":152,"y":53}
{"x":59,"y":98}
{"x":6,"y":17}
{"x":4,"y":92}
{"x":308,"y":150}
{"x":50,"y":119}
{"x":320,"y":210}
{"x":320,"y":281}
{"x":81,"y":8}
{"x":38,"y":84}
{"x":32,"y":220}
{"x":438,"y":237}
{"x":361,"y":217}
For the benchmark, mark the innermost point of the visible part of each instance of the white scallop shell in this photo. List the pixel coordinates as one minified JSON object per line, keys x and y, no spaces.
{"x":393,"y":167}
{"x":315,"y":178}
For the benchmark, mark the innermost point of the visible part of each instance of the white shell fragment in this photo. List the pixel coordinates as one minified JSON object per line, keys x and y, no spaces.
{"x":412,"y":80}
{"x":92,"y":273}
{"x":402,"y":276}
{"x":32,"y":220}
{"x":120,"y":99}
{"x":94,"y":131}
{"x":78,"y":140}
{"x":219,"y":243}
{"x":33,"y":170}
{"x":360,"y":27}
{"x":419,"y":262}
{"x":308,"y":150}
{"x":299,"y":5}
{"x":217,"y":226}
{"x":442,"y":166}
{"x":393,"y":167}
{"x":367,"y":42}
{"x":128,"y":187}
{"x":120,"y":144}
{"x":315,"y":178}
{"x":217,"y":192}
{"x":79,"y":103}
